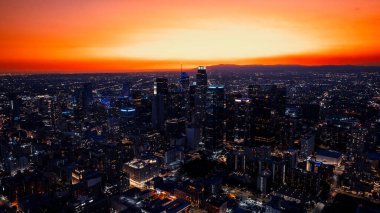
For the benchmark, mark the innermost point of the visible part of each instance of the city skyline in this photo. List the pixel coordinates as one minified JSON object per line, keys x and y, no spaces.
{"x":268,"y":139}
{"x":99,"y":36}
{"x":147,"y":106}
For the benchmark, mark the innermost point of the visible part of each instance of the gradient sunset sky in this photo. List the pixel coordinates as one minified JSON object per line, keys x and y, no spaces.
{"x":117,"y":35}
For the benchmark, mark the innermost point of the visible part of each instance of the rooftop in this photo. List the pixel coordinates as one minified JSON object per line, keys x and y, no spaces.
{"x":140,"y":163}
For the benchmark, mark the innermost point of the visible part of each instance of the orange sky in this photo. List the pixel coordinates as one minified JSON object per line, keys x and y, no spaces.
{"x":104,"y":35}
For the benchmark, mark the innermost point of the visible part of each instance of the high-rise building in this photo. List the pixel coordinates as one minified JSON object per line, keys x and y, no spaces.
{"x":356,"y":147}
{"x":263,"y":131}
{"x":310,"y":112}
{"x":216,"y":204}
{"x":126,"y":91}
{"x":190,"y":104}
{"x":15,"y":104}
{"x":158,"y":111}
{"x":230,"y":121}
{"x":200,"y":97}
{"x":201,"y":79}
{"x":279,"y":100}
{"x":243,"y":120}
{"x":193,"y":136}
{"x":240,"y":158}
{"x":278,"y":171}
{"x":262,"y":182}
{"x":357,"y":168}
{"x":214,"y":122}
{"x":291,"y":157}
{"x":184,"y":81}
{"x":307,"y":145}
{"x":269,"y":96}
{"x":178,"y":102}
{"x":87,"y":95}
{"x":141,"y":170}
{"x":175,"y":127}
{"x":159,"y":103}
{"x":160,"y":86}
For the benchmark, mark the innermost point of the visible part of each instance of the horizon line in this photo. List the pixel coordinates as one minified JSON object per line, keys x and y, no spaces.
{"x":169,"y":70}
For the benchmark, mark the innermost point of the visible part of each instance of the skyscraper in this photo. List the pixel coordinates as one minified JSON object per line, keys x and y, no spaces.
{"x":214,"y":122}
{"x":356,"y":147}
{"x":357,"y":167}
{"x":126,"y":91}
{"x":184,"y":81}
{"x":87,"y":95}
{"x":307,"y":145}
{"x":160,"y":92}
{"x":201,"y":79}
{"x":243,"y":120}
{"x":15,"y":105}
{"x":263,"y":131}
{"x":200,"y":97}
{"x":160,"y":86}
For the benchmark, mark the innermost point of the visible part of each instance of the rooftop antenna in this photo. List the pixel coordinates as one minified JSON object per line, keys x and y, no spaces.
{"x":181,"y":67}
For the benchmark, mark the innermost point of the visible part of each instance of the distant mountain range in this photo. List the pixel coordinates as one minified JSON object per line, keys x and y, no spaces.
{"x":295,"y":68}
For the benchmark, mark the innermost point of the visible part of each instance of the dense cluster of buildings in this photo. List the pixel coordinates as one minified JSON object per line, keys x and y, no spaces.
{"x":203,"y":141}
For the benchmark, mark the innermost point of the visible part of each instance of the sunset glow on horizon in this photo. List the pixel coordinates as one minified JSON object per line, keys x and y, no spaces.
{"x":100,"y":35}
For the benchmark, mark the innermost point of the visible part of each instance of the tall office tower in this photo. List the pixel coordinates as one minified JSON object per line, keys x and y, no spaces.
{"x":184,"y":80}
{"x":279,"y":100}
{"x":55,"y":111}
{"x":87,"y":95}
{"x":230,"y":111}
{"x":278,"y":171}
{"x":137,"y":98}
{"x":144,"y":116}
{"x":193,"y":136}
{"x":253,"y":90}
{"x":201,"y":79}
{"x":214,"y":122}
{"x":175,"y":128}
{"x":200,"y":98}
{"x":307,"y":145}
{"x":126,"y":91}
{"x":77,"y":103}
{"x":190,"y":104}
{"x":243,"y":120}
{"x":269,"y":96}
{"x":240,"y":159}
{"x":356,"y":147}
{"x":291,"y":157}
{"x":178,"y":102}
{"x":192,"y":94}
{"x":159,"y":103}
{"x":357,"y":168}
{"x":310,"y":112}
{"x":15,"y":103}
{"x":128,"y":120}
{"x":263,"y":132}
{"x":161,"y":86}
{"x":262,"y":182}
